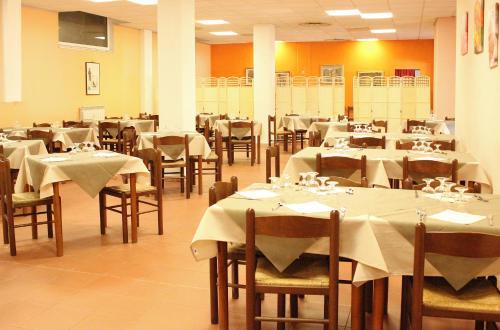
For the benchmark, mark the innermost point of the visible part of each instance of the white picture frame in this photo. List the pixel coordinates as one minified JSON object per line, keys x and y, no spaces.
{"x":329,"y":71}
{"x":92,"y":78}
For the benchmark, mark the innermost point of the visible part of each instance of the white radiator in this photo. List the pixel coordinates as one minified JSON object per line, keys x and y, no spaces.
{"x":92,"y":113}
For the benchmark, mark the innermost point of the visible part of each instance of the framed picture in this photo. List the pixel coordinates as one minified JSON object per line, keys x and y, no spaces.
{"x":479,"y":26}
{"x":493,"y":36}
{"x":93,"y":78}
{"x":328,"y":71}
{"x":465,"y":33}
{"x":248,"y":76}
{"x":282,"y":78}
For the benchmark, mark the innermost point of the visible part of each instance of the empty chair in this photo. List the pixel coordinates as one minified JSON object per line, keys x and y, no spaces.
{"x":115,"y":117}
{"x":213,"y":161}
{"x":72,"y":123}
{"x":42,"y":125}
{"x":378,"y":125}
{"x":262,"y":277}
{"x":416,"y":170}
{"x":368,"y":142}
{"x":443,"y":145}
{"x":272,"y":152}
{"x":156,"y":119}
{"x":344,"y":167}
{"x":128,"y":137}
{"x":299,"y":133}
{"x":46,"y":136}
{"x":245,"y":143}
{"x":274,"y":135}
{"x":152,"y":159}
{"x":411,"y":123}
{"x":479,"y":300}
{"x":314,"y":139}
{"x":10,"y":202}
{"x":110,"y":135}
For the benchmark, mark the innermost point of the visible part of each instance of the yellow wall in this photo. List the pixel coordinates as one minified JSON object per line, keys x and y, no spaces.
{"x":54,"y":77}
{"x":305,"y":58}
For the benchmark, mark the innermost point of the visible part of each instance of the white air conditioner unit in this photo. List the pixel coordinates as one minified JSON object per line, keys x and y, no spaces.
{"x":90,"y":113}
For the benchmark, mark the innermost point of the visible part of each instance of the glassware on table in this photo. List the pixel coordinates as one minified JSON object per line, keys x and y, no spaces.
{"x":313,"y":183}
{"x":491,"y":220}
{"x":323,"y":180}
{"x":332,"y":185}
{"x":428,"y":147}
{"x":421,"y":214}
{"x":286,"y":181}
{"x":303,"y":179}
{"x":441,"y":188}
{"x":415,"y":145}
{"x":437,"y":146}
{"x":275,"y":185}
{"x":448,"y":186}
{"x":428,"y":188}
{"x":461,"y":191}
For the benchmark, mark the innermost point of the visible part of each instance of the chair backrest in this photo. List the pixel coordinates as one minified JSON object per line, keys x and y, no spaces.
{"x":272,"y":152}
{"x":314,"y":139}
{"x":173,"y":141}
{"x":45,"y":136}
{"x":332,"y":163}
{"x":295,"y":227}
{"x":428,"y":168}
{"x":143,"y":115}
{"x":198,"y":122}
{"x":224,"y":116}
{"x":343,"y":182}
{"x":219,"y":151}
{"x":341,"y":117}
{"x":106,"y":117}
{"x":453,"y":244}
{"x":449,"y":118}
{"x":104,"y":128}
{"x":444,"y":145}
{"x":271,"y":128}
{"x":320,"y":120}
{"x":381,"y":124}
{"x":6,"y":205}
{"x":152,"y":159}
{"x":412,"y":122}
{"x":241,"y":124}
{"x":292,"y":115}
{"x":42,"y":125}
{"x":72,"y":123}
{"x":129,"y":138}
{"x":220,"y":190}
{"x":404,"y":145}
{"x":368,"y":141}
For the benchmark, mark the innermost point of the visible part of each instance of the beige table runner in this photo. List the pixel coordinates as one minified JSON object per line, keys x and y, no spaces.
{"x":377,"y":231}
{"x":223,"y":127}
{"x":89,"y":170}
{"x":385,"y":164}
{"x":16,"y":151}
{"x":198,"y":145}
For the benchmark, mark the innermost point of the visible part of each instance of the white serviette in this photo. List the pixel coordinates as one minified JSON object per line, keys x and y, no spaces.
{"x":309,"y":207}
{"x":105,"y":154}
{"x":54,"y":159}
{"x":257,"y":194}
{"x":457,"y":217}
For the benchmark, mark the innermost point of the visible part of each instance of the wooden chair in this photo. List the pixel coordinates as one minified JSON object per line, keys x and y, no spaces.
{"x":156,"y":119}
{"x":235,"y":254}
{"x":314,"y":139}
{"x":143,"y":115}
{"x":216,"y":158}
{"x":152,"y":159}
{"x":341,"y":117}
{"x":274,"y":135}
{"x":116,"y":117}
{"x":10,"y":202}
{"x":128,"y":138}
{"x":479,"y":300}
{"x":381,"y":124}
{"x":72,"y":123}
{"x":200,"y":127}
{"x":299,"y":133}
{"x":352,"y":127}
{"x":181,"y":164}
{"x":42,"y":125}
{"x":247,"y":143}
{"x":412,"y":123}
{"x":443,"y":145}
{"x":415,"y":170}
{"x":368,"y":142}
{"x":343,"y":182}
{"x":110,"y":135}
{"x":449,"y":118}
{"x":272,"y":152}
{"x":262,"y":277}
{"x":347,"y":165}
{"x":46,"y":136}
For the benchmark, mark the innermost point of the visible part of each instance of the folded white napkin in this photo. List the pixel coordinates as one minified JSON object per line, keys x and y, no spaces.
{"x":309,"y":207}
{"x":457,"y":217}
{"x":257,"y":194}
{"x":54,"y":159}
{"x":105,"y":154}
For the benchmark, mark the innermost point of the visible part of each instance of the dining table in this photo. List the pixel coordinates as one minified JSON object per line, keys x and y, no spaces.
{"x":385,"y":164}
{"x":210,"y":117}
{"x":16,"y":151}
{"x":91,"y":171}
{"x":376,"y":231}
{"x":198,"y":148}
{"x":140,"y":125}
{"x":66,"y":136}
{"x":222,"y":125}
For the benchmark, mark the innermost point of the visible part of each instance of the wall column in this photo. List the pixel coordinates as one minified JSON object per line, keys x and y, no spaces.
{"x":11,"y":72}
{"x":147,"y":72}
{"x":176,"y":64}
{"x":264,"y":74}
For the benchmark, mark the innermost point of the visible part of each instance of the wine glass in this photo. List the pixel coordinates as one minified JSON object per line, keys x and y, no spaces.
{"x":421,"y":214}
{"x":323,"y":180}
{"x":428,"y":147}
{"x":286,"y":181}
{"x":437,"y":146}
{"x":441,"y":188}
{"x":415,"y":145}
{"x":274,"y":182}
{"x":461,"y":191}
{"x":428,"y":188}
{"x":448,"y":186}
{"x":332,"y":185}
{"x":313,"y":183}
{"x":303,"y":179}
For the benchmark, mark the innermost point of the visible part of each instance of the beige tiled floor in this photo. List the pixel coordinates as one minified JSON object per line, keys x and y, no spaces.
{"x":101,"y":283}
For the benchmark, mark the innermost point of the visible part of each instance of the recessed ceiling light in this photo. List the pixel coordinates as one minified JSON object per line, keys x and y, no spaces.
{"x":367,"y":39}
{"x":212,"y":21}
{"x":101,"y":37}
{"x":376,"y":15}
{"x":145,"y":2}
{"x":224,"y":33}
{"x":345,"y":12}
{"x":380,"y":31}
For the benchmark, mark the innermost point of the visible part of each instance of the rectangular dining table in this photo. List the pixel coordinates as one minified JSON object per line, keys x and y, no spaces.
{"x":66,"y":136}
{"x":376,"y":232}
{"x":89,"y":170}
{"x":16,"y":151}
{"x":140,"y":125}
{"x":198,"y":148}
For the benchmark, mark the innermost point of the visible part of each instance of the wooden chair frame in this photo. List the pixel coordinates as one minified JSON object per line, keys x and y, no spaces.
{"x":247,"y":144}
{"x":273,"y":135}
{"x":272,"y":152}
{"x":46,"y":136}
{"x":381,"y":124}
{"x":341,"y":163}
{"x":108,"y":140}
{"x":368,"y":141}
{"x":431,"y":168}
{"x":299,"y":133}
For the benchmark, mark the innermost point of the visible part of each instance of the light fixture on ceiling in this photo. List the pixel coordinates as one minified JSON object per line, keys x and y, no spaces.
{"x":376,"y":15}
{"x":212,"y":22}
{"x":224,"y":33}
{"x":144,"y":2}
{"x":382,"y":31}
{"x":344,"y":12}
{"x":101,"y":37}
{"x":367,"y":39}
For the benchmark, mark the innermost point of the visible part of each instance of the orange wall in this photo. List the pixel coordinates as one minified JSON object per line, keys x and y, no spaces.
{"x":305,"y":58}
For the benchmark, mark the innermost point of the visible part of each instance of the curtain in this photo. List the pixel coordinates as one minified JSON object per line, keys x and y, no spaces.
{"x":404,"y":72}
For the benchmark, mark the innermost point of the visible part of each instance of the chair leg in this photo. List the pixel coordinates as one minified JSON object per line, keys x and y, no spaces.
{"x":248,"y":150}
{"x":214,"y":301}
{"x":403,"y":323}
{"x":281,"y":311}
{"x":12,"y":236}
{"x":368,"y":296}
{"x":235,"y":278}
{"x":160,"y":214}
{"x":258,"y":311}
{"x":187,"y":178}
{"x":183,"y":174}
{"x":386,"y":296}
{"x":5,"y":230}
{"x":50,"y":232}
{"x":102,"y":212}
{"x":34,"y":221}
{"x":325,"y":311}
{"x":124,"y":219}
{"x":294,"y":305}
{"x":479,"y":325}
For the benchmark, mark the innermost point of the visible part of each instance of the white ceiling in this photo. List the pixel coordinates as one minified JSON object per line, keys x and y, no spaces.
{"x":413,"y":19}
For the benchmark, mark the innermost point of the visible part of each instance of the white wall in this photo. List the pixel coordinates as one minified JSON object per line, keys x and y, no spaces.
{"x":444,"y":67}
{"x":478,"y":97}
{"x":203,"y":60}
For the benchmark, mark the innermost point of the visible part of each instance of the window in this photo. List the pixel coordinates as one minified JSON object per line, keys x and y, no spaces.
{"x":84,"y":30}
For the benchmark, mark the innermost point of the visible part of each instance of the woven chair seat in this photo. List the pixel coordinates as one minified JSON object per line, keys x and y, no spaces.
{"x":174,"y":163}
{"x":479,"y":295}
{"x":308,"y":273}
{"x":212,"y":157}
{"x":125,"y":189}
{"x":28,"y":198}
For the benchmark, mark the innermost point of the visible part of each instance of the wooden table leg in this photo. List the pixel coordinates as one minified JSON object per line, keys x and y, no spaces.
{"x":222,"y":285}
{"x":357,"y":304}
{"x":200,"y":175}
{"x":258,"y":149}
{"x":58,"y":219}
{"x":133,"y":207}
{"x":378,"y":304}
